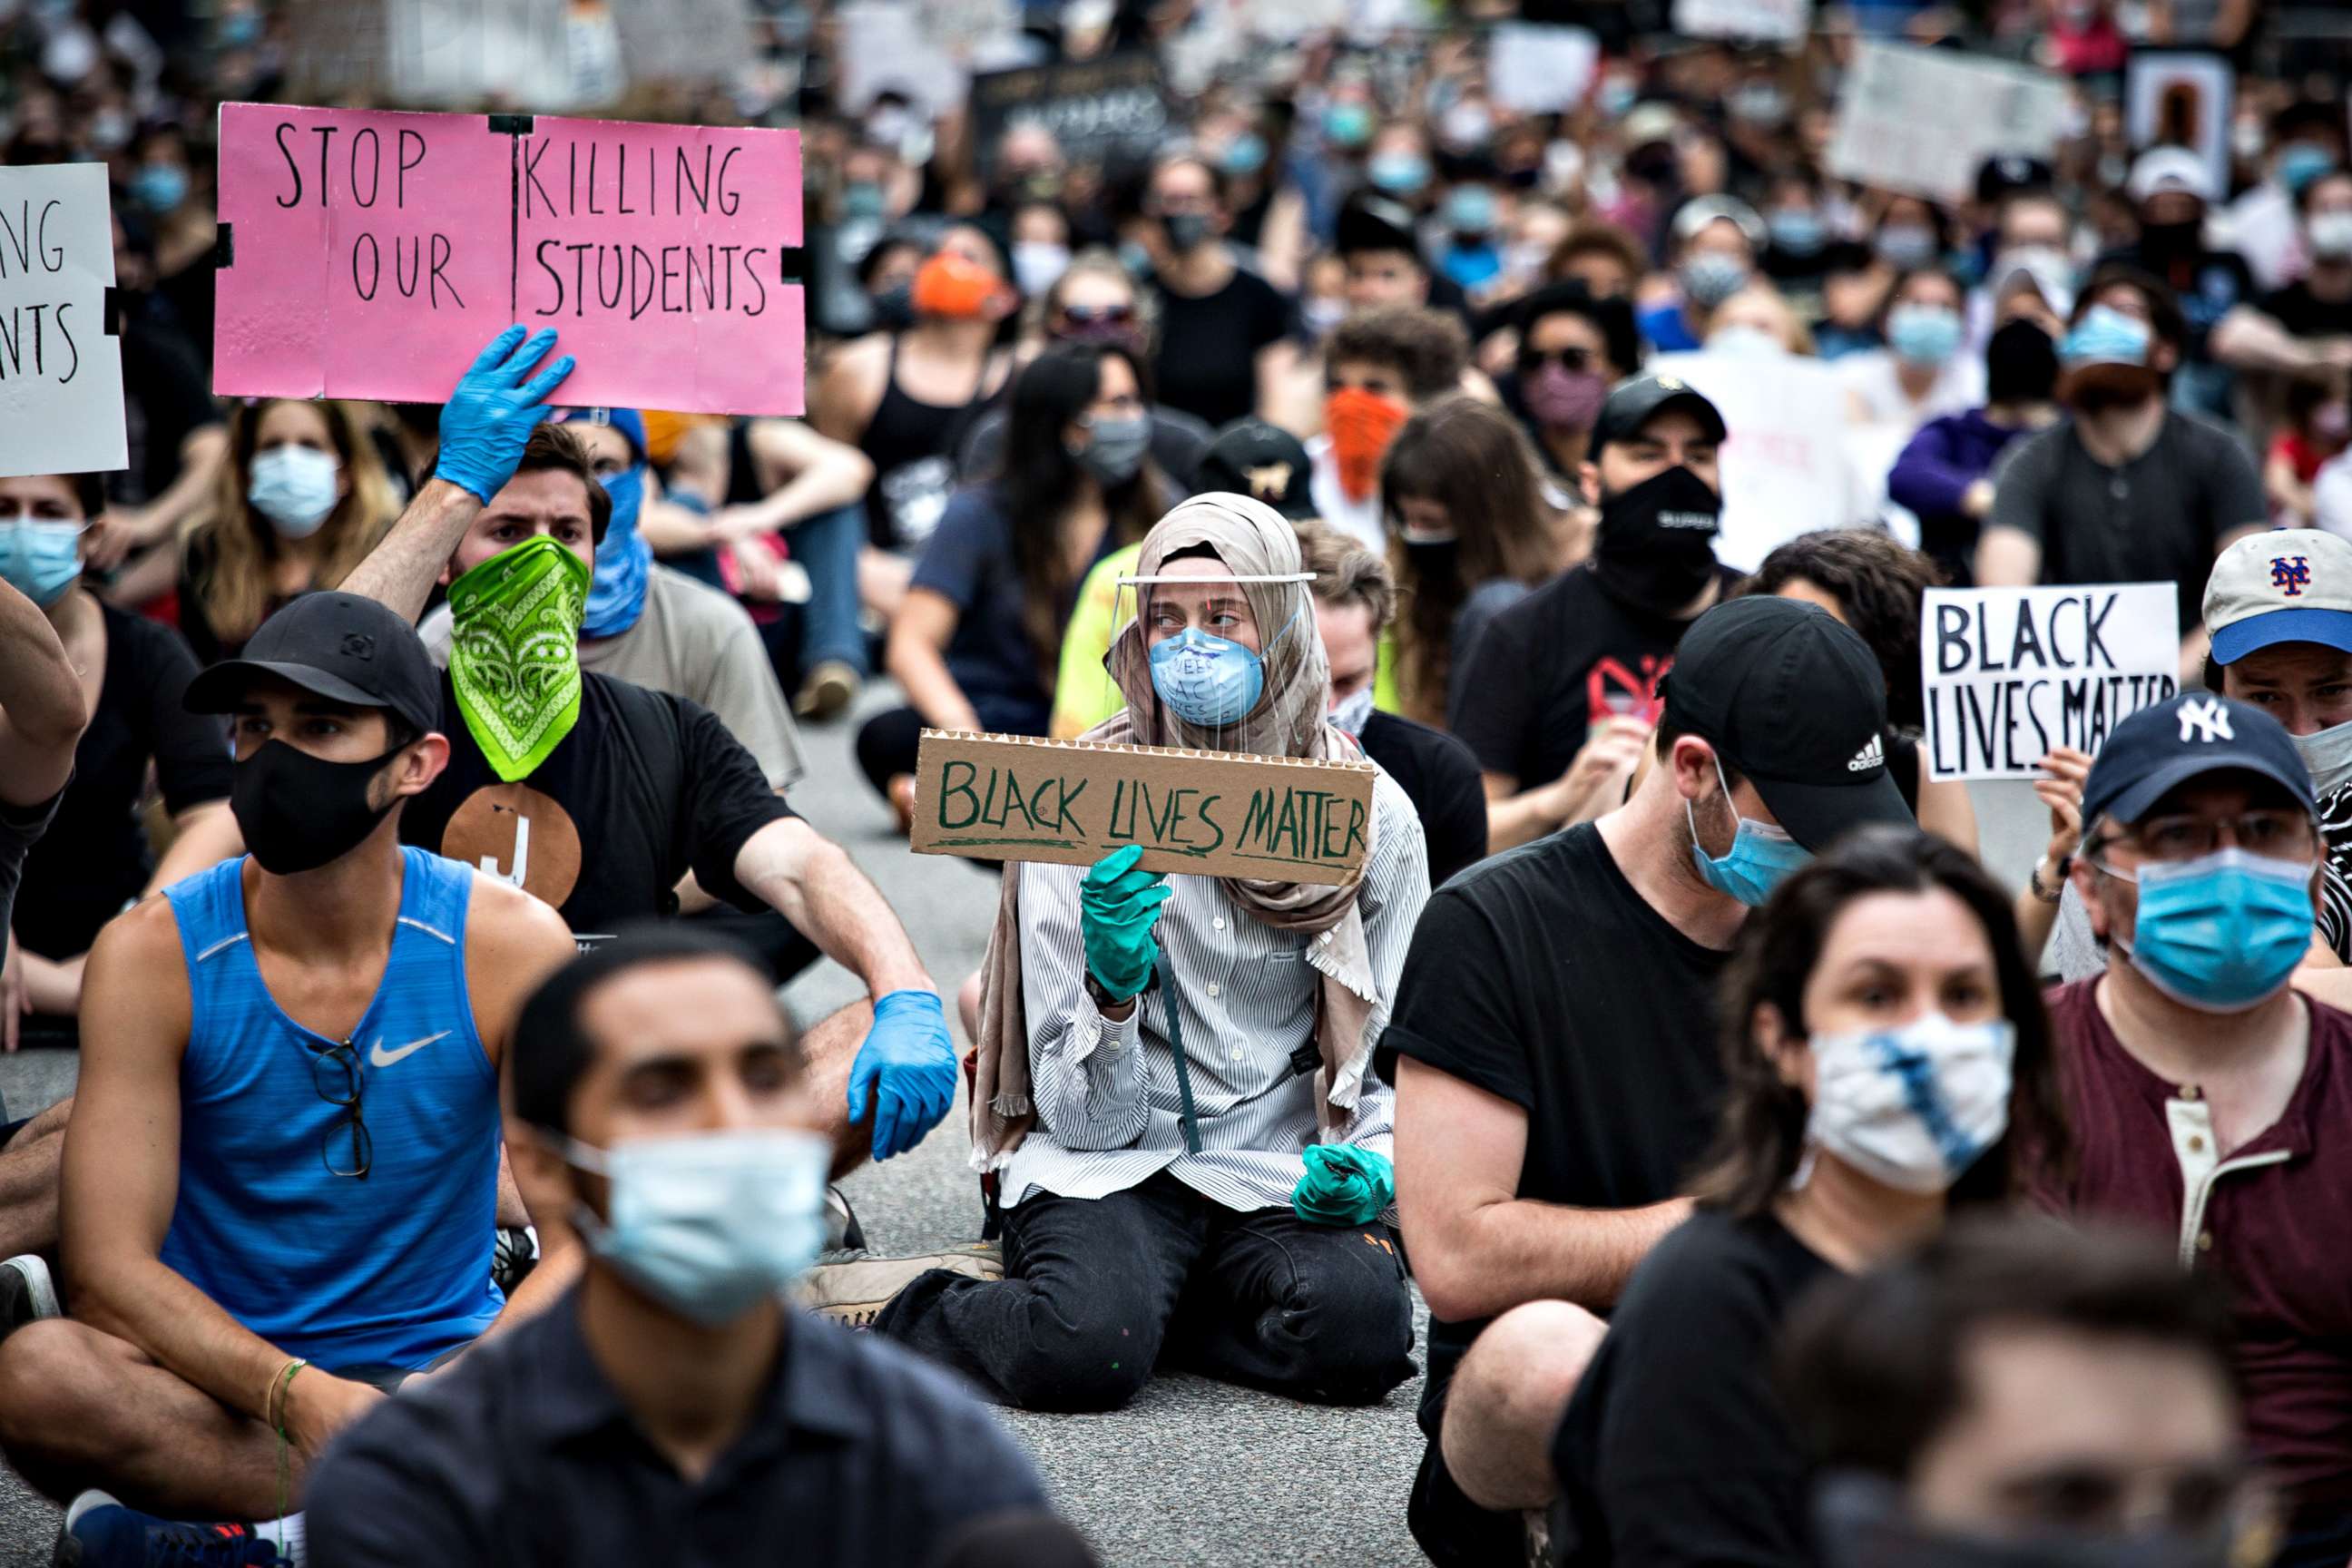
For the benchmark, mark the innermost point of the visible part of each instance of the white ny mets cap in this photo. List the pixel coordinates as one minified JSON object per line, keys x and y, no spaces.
{"x":2293,"y":584}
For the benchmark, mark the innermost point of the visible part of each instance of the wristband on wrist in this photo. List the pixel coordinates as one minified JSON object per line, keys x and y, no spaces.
{"x":2056,"y":889}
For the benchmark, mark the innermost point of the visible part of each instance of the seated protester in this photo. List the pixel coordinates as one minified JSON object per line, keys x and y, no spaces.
{"x":94,"y":861}
{"x":1889,"y":1068}
{"x":1572,"y":349}
{"x":585,"y":1437}
{"x":1604,"y":258}
{"x":1875,"y":585}
{"x":2171,"y":190}
{"x":1095,"y":301}
{"x":2022,"y":1392}
{"x":1921,"y":374}
{"x":282,"y":1168}
{"x":1378,"y":241}
{"x":2314,"y":431}
{"x":2127,"y":489}
{"x":1553,"y":1048}
{"x":1715,"y":240}
{"x":599,"y":796}
{"x":1379,"y":366}
{"x":301,"y":500}
{"x":1224,"y":332}
{"x":1248,"y":457}
{"x":2201,"y":1086}
{"x":1355,"y":599}
{"x":1944,"y":476}
{"x":1473,"y":534}
{"x":1229,"y":1218}
{"x":976,"y":642}
{"x":1558,"y":697}
{"x":2318,"y":307}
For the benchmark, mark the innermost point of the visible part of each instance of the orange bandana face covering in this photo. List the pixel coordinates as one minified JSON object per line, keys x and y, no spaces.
{"x":955,"y":287}
{"x":1361,"y":425}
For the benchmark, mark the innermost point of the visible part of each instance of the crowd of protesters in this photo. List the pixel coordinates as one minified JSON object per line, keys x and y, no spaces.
{"x":396,"y":816}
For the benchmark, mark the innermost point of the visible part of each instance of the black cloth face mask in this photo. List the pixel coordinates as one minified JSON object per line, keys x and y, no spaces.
{"x":298,"y":812}
{"x":1656,"y":546}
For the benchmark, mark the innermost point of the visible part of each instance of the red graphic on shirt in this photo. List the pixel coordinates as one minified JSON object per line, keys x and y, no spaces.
{"x":1611,"y":690}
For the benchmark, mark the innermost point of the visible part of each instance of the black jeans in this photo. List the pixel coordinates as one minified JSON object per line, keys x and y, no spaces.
{"x":1097,"y":1292}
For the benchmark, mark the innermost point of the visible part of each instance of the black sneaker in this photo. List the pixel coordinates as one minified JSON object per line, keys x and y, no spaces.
{"x":512,"y":1257}
{"x":27,"y":1293}
{"x":99,"y":1532}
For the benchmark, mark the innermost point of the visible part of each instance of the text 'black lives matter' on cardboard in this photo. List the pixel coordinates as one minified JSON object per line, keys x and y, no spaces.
{"x":1212,"y":814}
{"x":2012,"y":673}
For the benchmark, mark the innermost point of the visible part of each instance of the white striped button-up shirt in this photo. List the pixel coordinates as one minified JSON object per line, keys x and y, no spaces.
{"x":1105,"y":1093}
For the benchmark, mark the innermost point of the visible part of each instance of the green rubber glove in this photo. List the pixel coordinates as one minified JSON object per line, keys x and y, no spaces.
{"x":1117,"y":907}
{"x":1344,"y":1185}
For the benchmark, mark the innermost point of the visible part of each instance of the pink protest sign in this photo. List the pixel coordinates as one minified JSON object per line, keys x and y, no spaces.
{"x":372,"y":255}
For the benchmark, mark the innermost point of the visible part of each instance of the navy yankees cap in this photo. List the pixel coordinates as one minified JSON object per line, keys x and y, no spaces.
{"x":2158,"y":749}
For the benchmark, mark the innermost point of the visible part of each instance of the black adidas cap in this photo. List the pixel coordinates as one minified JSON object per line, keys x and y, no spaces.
{"x":341,"y":647}
{"x":1797,"y":704}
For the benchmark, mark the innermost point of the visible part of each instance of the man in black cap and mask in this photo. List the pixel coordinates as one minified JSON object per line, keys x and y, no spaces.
{"x":1562,"y":688}
{"x":1555,"y":1042}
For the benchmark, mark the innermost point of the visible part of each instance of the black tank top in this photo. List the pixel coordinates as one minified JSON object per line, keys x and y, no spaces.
{"x":913,"y":444}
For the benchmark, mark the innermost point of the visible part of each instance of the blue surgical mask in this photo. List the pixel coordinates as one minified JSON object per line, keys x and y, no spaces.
{"x":863,"y":199}
{"x":711,"y":1224}
{"x":160,"y":187}
{"x":295,"y":487}
{"x":1209,"y":682}
{"x":2223,"y":932}
{"x":2106,"y":336}
{"x":39,"y":559}
{"x":1398,"y":174}
{"x":1761,"y":855}
{"x":616,"y":593}
{"x":2301,"y":163}
{"x":1924,"y":334}
{"x":1798,"y":230}
{"x":1905,"y":246}
{"x":1245,"y":154}
{"x":1470,"y":210}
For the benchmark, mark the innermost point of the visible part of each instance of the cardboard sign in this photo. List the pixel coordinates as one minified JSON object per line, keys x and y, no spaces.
{"x":2012,"y":672}
{"x":1211,"y":814}
{"x":61,"y":366}
{"x":1786,"y":461}
{"x":372,"y":255}
{"x":1111,"y":111}
{"x":2182,"y":98}
{"x":1770,"y":21}
{"x":1924,"y":121}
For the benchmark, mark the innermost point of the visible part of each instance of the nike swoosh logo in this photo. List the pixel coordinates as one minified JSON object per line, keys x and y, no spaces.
{"x":381,"y":1058}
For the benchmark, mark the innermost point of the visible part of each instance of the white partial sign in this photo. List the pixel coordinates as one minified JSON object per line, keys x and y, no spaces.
{"x":1786,"y":459}
{"x":1924,"y":121}
{"x":2181,"y":98}
{"x":1537,"y":68}
{"x":1771,"y":21}
{"x":60,"y":367}
{"x":2011,"y":673}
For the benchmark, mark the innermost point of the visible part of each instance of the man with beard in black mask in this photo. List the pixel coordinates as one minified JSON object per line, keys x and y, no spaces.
{"x":283,"y":1163}
{"x":1562,"y":688}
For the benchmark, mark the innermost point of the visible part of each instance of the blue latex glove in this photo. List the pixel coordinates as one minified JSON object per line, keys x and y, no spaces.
{"x":1118,"y":906}
{"x":490,"y":416}
{"x":1343,"y":1186}
{"x":905,"y":1070}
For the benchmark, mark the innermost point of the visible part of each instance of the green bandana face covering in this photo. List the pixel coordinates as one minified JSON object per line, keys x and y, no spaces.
{"x":514,"y":657}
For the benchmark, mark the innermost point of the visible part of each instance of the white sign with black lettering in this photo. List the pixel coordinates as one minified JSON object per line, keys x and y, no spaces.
{"x":2011,"y":673}
{"x":61,"y":366}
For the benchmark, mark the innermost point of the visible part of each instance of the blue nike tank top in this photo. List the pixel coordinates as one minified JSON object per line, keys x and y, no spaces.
{"x":388,"y":1269}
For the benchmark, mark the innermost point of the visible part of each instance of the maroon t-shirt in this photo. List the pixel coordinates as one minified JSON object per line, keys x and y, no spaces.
{"x":2273,"y":1220}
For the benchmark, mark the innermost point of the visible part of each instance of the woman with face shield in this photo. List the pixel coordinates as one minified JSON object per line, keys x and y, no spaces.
{"x":1174,"y":1081}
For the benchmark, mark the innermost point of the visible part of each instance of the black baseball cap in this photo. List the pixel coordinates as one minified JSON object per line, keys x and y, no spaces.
{"x":1252,"y":458}
{"x":1375,"y":222}
{"x":1636,"y":400}
{"x":1797,"y":702}
{"x":341,"y":647}
{"x":2006,"y":174}
{"x":2158,"y":749}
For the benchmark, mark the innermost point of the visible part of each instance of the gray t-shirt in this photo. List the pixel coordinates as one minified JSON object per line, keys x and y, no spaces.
{"x":20,"y":826}
{"x":2159,"y":518}
{"x":695,"y":642}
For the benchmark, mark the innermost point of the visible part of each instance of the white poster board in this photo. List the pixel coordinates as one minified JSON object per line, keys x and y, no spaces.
{"x":1924,"y":121}
{"x":2012,"y":672}
{"x":883,"y":47}
{"x":1786,"y":464}
{"x":1535,"y":68}
{"x":2182,"y":98}
{"x":1767,"y":21}
{"x":60,"y":366}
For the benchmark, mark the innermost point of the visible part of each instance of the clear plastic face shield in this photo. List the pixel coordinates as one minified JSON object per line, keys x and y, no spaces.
{"x":1211,"y":662}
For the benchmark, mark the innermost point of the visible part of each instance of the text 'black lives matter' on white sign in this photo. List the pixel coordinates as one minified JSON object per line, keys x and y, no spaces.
{"x":60,"y":362}
{"x":2012,"y":673}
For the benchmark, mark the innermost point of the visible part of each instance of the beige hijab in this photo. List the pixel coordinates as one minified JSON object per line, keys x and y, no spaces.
{"x":1252,"y":540}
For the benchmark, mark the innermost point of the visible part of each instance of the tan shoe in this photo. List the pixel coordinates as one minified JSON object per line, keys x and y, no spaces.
{"x":826,"y":691}
{"x":854,"y":1292}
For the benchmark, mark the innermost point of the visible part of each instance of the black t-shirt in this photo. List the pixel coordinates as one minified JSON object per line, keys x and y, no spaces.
{"x":645,"y":788}
{"x":1540,"y":976}
{"x":1675,"y":1448}
{"x":94,"y":858}
{"x":1209,"y":346}
{"x":1441,"y":777}
{"x":1545,"y":666}
{"x":2305,"y":315}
